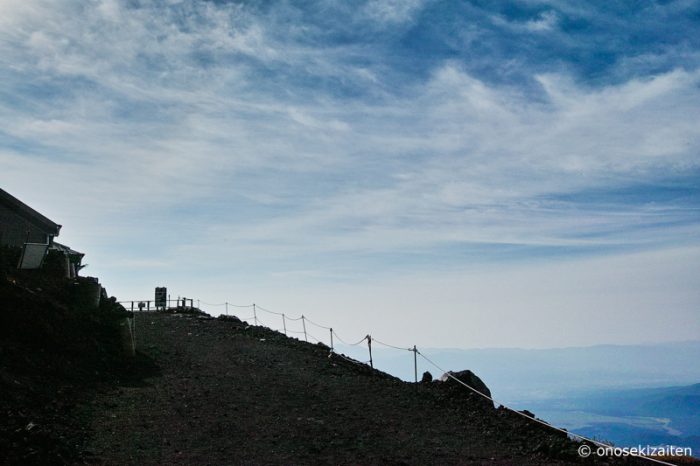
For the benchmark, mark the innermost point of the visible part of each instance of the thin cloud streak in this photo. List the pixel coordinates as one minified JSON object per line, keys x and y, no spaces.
{"x":455,"y":142}
{"x":231,"y":133}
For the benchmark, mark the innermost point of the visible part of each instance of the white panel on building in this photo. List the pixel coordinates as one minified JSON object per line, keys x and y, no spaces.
{"x":33,"y":255}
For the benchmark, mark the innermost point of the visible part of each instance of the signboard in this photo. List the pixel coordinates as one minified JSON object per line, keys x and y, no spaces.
{"x":161,"y":297}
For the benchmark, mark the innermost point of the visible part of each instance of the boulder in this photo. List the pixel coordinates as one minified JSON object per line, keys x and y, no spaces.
{"x":467,"y":377}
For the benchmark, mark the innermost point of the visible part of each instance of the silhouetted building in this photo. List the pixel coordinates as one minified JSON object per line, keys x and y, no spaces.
{"x":21,"y":226}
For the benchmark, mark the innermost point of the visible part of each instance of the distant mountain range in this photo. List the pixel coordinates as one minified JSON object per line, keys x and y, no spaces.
{"x":654,"y":416}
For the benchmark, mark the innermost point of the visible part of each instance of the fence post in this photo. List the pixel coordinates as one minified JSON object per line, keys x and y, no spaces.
{"x":303,"y":323}
{"x":369,"y":345}
{"x":132,"y":331}
{"x":331,"y":332}
{"x":415,"y":363}
{"x":284,"y":324}
{"x":255,"y":315}
{"x":227,"y":308}
{"x":148,"y":305}
{"x":132,"y":306}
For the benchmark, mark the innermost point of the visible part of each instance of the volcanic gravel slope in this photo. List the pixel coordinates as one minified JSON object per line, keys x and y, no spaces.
{"x":230,"y":393}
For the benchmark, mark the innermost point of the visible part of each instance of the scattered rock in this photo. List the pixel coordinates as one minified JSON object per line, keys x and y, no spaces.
{"x":468,"y":378}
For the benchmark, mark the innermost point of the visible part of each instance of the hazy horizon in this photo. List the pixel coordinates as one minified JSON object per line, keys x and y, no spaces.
{"x":521,"y":376}
{"x":316,"y":335}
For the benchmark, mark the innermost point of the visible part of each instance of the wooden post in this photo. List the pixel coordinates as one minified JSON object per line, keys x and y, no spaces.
{"x":133,"y":336}
{"x":132,"y":306}
{"x":255,"y":315}
{"x":415,"y":363}
{"x":331,"y":332}
{"x":148,"y":305}
{"x":284,"y":324}
{"x":303,"y":323}
{"x":227,"y":308}
{"x":369,"y":345}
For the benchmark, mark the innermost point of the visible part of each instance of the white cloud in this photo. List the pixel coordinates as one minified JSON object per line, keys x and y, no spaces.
{"x":456,"y":143}
{"x":547,"y":21}
{"x":392,"y":11}
{"x":220,"y":127}
{"x":623,"y":299}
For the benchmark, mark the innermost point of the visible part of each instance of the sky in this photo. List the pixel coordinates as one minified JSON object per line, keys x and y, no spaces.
{"x":442,"y":173}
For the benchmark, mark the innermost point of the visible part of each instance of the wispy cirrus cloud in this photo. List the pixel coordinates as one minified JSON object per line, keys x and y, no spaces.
{"x":336,"y":140}
{"x":449,"y":142}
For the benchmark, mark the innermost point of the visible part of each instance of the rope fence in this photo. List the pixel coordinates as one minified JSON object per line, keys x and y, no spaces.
{"x":369,"y":339}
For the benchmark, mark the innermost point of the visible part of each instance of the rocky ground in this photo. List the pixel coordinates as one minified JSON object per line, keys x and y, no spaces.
{"x":55,"y":351}
{"x":229,"y":393}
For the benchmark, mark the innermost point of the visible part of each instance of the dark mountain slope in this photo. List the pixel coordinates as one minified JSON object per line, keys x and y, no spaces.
{"x":229,"y":393}
{"x":55,"y":350}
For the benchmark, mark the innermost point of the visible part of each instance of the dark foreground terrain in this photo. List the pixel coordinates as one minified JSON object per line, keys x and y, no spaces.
{"x":228,"y":393}
{"x":204,"y":391}
{"x":56,"y":351}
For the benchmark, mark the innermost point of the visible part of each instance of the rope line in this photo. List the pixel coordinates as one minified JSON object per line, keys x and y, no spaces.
{"x":345,"y":342}
{"x":317,"y":325}
{"x":313,"y":337}
{"x":374,"y":340}
{"x":595,"y":442}
{"x":267,"y":310}
{"x":224,"y":304}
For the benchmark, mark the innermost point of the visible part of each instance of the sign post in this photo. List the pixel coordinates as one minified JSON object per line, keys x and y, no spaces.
{"x":161,"y":298}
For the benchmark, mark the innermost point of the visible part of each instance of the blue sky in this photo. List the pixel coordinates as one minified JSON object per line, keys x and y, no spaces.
{"x":520,"y":173}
